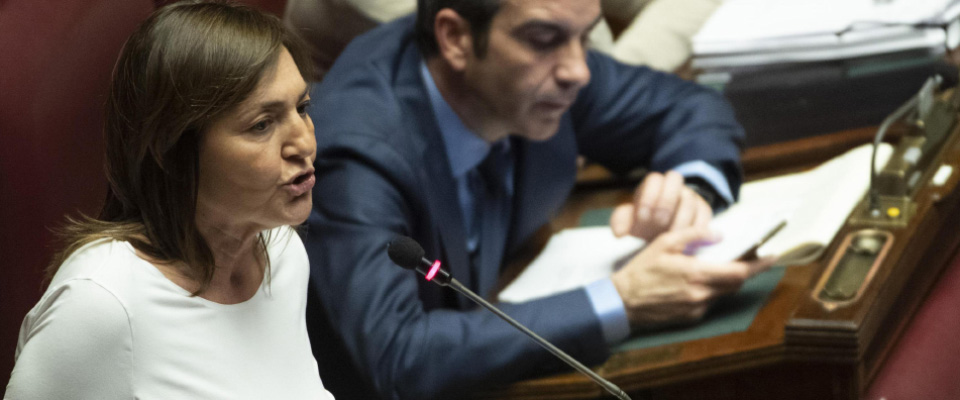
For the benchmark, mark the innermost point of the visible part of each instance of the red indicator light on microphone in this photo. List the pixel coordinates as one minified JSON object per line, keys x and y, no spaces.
{"x":433,"y":270}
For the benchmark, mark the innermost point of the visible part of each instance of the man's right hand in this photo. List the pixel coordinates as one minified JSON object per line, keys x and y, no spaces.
{"x":663,"y":286}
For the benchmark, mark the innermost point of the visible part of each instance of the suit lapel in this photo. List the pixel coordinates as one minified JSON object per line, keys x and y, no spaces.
{"x":494,"y":224}
{"x":544,"y":175}
{"x":436,"y":177}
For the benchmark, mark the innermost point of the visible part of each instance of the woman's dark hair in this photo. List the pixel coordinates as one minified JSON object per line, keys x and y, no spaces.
{"x":479,"y":13}
{"x":185,"y":66}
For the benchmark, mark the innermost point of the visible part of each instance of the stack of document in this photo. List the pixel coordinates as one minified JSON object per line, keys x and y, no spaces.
{"x":744,"y":33}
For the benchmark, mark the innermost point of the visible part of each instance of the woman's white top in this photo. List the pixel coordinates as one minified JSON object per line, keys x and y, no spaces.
{"x":112,"y":326}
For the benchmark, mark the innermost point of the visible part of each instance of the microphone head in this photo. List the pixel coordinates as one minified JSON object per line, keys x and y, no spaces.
{"x":405,"y":252}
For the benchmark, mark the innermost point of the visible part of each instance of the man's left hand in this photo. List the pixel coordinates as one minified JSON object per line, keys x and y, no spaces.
{"x":661,"y":203}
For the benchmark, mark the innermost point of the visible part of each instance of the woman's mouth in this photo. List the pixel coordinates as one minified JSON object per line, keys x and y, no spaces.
{"x":301,"y":184}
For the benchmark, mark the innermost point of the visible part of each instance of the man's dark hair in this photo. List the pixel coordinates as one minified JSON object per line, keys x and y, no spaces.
{"x":478,"y":13}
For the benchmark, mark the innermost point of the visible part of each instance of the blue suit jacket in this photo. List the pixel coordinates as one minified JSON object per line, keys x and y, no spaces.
{"x":382,"y":172}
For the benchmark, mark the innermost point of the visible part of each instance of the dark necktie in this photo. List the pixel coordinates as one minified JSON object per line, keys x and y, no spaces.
{"x":492,"y":215}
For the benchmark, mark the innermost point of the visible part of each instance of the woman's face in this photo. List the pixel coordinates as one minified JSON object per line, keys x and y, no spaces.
{"x":256,"y":161}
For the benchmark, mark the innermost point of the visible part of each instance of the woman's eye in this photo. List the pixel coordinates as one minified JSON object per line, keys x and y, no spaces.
{"x":261,"y":126}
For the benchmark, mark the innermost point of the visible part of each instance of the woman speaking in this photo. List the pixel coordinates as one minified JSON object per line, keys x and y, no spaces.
{"x":191,"y":283}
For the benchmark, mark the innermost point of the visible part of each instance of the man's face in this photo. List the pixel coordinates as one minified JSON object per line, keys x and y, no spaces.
{"x":534,"y":65}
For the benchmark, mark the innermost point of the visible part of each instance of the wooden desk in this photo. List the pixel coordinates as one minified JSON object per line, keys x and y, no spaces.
{"x":794,"y":349}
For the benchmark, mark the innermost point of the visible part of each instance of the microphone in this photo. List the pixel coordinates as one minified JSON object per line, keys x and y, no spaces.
{"x":407,"y":253}
{"x":920,"y":102}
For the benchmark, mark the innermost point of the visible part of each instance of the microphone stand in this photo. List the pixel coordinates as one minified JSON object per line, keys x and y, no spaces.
{"x":609,"y":387}
{"x":406,"y":253}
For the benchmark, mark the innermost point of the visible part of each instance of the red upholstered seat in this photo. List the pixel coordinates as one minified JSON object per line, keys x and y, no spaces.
{"x":925,"y":364}
{"x":55,"y":62}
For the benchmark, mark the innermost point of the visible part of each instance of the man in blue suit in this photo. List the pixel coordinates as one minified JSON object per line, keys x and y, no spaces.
{"x":461,"y":129}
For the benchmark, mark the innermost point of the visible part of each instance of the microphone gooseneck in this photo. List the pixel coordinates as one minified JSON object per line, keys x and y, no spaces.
{"x":408,"y":254}
{"x":914,"y":103}
{"x":874,"y":193}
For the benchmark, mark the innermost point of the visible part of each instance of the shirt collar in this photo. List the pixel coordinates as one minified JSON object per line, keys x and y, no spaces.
{"x":465,"y":149}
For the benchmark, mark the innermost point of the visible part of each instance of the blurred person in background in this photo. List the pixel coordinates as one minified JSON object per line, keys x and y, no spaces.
{"x":655,"y":33}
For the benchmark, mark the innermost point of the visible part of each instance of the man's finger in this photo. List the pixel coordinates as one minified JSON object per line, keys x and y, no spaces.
{"x":731,"y":274}
{"x":686,"y":211}
{"x":761,"y":265}
{"x":704,"y":213}
{"x":669,"y":199}
{"x":622,"y":219}
{"x":647,"y":195}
